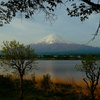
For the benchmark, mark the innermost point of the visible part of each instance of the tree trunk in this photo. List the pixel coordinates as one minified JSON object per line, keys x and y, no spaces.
{"x":21,"y":87}
{"x":92,"y":95}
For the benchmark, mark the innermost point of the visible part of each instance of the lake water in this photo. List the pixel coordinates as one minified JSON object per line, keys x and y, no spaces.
{"x":59,"y":68}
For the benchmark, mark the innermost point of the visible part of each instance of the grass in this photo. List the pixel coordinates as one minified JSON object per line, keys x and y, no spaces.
{"x":41,"y":89}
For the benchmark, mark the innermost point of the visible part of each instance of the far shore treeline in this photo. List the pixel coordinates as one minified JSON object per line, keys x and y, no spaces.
{"x":60,"y":57}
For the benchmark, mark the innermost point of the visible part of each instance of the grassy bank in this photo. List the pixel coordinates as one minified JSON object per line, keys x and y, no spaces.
{"x":43,"y":88}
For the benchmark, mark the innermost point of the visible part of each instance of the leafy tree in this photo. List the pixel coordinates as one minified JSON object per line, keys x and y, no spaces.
{"x":92,"y":71}
{"x":9,"y":8}
{"x":19,"y":58}
{"x":84,"y":8}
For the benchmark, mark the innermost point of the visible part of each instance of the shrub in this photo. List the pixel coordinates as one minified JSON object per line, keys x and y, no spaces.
{"x":46,"y":81}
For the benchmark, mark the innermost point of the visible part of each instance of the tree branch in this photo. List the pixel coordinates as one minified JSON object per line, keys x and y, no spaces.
{"x":97,"y":79}
{"x":94,"y":5}
{"x":96,"y":33}
{"x":86,"y":83}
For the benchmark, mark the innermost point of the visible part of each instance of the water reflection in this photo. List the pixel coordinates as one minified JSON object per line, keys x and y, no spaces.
{"x":59,"y":68}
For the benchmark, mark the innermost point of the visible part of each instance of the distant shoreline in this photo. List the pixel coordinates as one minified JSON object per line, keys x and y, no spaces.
{"x":62,"y":57}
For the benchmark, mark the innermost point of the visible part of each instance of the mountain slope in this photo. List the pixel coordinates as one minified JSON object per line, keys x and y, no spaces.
{"x":55,"y":45}
{"x":52,"y":38}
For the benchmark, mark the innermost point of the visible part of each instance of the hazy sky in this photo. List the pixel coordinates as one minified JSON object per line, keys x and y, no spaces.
{"x":31,"y":30}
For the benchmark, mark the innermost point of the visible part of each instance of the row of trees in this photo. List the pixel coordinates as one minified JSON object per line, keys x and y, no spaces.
{"x":21,"y":58}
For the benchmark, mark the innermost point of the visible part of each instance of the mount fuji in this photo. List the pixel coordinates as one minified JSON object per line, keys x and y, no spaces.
{"x":52,"y":39}
{"x":56,"y":45}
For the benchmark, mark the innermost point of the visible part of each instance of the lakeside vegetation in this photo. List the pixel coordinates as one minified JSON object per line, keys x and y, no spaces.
{"x":44,"y":88}
{"x":63,"y":57}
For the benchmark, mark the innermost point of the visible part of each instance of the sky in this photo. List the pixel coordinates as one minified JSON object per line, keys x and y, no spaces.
{"x":31,"y":30}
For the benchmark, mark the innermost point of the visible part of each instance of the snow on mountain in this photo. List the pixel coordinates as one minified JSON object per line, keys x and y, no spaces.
{"x":52,"y":38}
{"x":54,"y":44}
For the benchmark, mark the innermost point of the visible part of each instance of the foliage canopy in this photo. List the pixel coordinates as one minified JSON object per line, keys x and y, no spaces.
{"x":18,"y":56}
{"x":9,"y":8}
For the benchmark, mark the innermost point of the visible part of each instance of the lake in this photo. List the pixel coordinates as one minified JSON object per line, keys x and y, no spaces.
{"x":62,"y":69}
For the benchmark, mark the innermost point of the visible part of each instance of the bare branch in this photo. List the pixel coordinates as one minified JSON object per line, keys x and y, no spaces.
{"x":86,"y":83}
{"x":96,"y":33}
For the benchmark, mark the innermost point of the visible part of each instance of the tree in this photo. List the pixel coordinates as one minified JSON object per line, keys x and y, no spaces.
{"x":92,"y":71}
{"x":18,"y":57}
{"x":84,"y":9}
{"x":9,"y":8}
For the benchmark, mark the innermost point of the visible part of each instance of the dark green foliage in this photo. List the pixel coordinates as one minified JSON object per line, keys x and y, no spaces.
{"x":83,"y":9}
{"x":84,"y":97}
{"x":10,"y":8}
{"x":16,"y":51}
{"x":46,"y":81}
{"x":34,"y":79}
{"x":7,"y":87}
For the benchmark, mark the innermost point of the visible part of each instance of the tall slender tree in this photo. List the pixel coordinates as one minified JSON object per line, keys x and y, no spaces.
{"x":91,"y":68}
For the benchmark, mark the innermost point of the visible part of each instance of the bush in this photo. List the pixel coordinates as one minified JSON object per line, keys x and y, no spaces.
{"x":46,"y":81}
{"x":34,"y":80}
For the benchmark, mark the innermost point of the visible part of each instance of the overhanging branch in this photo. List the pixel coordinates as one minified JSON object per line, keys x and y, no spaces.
{"x":94,"y":5}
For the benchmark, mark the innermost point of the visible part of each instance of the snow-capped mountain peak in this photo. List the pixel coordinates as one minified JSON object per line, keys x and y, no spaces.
{"x":52,"y":38}
{"x":56,"y":45}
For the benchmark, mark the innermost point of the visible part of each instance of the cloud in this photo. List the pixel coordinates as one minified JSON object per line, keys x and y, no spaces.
{"x":26,"y":31}
{"x":27,"y":27}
